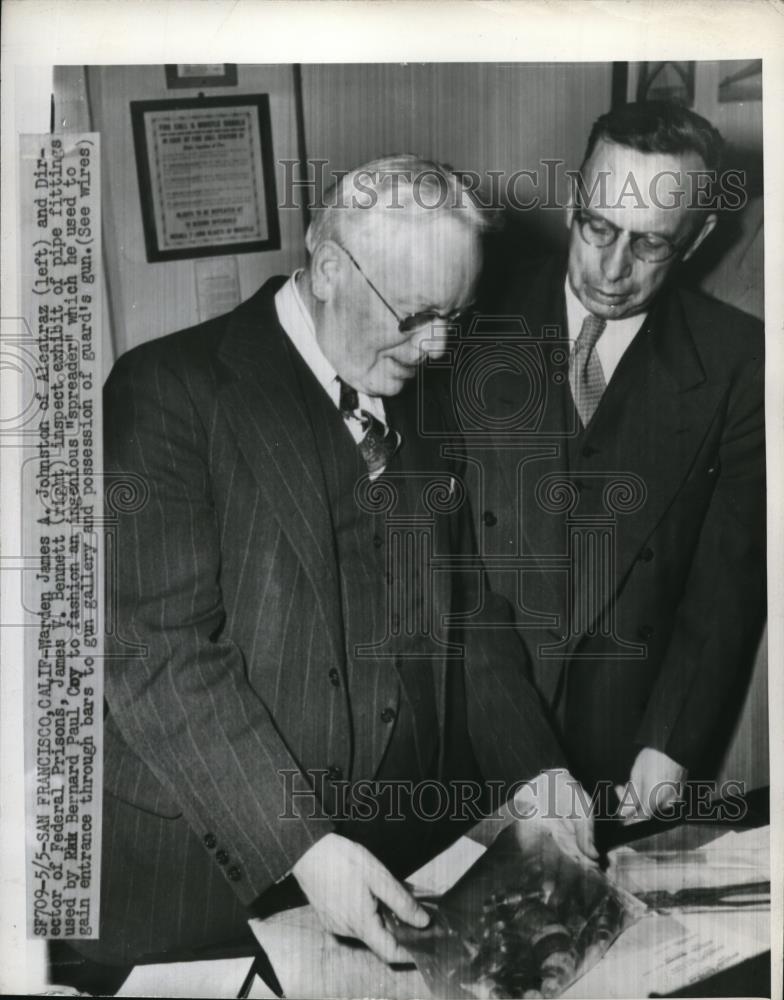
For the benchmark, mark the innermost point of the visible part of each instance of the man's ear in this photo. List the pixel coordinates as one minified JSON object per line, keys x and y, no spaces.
{"x":326,"y":264}
{"x":569,"y":214}
{"x":707,"y":228}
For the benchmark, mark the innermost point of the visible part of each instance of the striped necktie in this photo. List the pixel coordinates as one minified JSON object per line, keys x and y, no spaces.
{"x":379,"y":442}
{"x":586,"y":377}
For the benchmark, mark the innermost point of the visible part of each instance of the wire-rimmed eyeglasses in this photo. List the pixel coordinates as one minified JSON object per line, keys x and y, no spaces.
{"x":414,"y":321}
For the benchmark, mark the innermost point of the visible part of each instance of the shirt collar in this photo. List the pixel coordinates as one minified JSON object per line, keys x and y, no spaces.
{"x":576,"y":313}
{"x":298,"y":324}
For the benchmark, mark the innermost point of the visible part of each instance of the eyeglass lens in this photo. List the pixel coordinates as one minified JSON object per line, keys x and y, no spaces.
{"x":601,"y":233}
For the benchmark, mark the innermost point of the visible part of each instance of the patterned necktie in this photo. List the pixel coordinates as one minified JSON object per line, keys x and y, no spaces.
{"x":379,"y":443}
{"x":585,"y":369}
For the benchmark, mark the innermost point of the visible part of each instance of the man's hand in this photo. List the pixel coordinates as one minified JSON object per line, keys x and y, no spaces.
{"x":656,"y":782}
{"x":556,"y":802}
{"x":345,"y":884}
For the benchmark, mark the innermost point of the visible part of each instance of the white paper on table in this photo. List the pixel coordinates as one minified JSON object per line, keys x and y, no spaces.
{"x":664,"y":953}
{"x":756,"y":839}
{"x":217,"y":978}
{"x":441,"y":873}
{"x":738,"y":850}
{"x":309,"y":962}
{"x":712,"y":941}
{"x":643,"y":874}
{"x":732,"y":859}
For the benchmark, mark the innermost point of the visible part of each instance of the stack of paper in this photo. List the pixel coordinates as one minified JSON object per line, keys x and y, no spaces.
{"x":678,"y":946}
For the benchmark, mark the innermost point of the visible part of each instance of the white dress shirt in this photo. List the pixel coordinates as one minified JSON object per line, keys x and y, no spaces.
{"x":615,"y":338}
{"x":298,"y":324}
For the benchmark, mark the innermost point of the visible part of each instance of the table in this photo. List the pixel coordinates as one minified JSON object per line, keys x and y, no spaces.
{"x":307,"y":962}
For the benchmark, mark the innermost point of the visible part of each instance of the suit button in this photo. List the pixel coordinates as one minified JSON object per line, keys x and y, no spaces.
{"x":489,"y":519}
{"x":210,"y":840}
{"x":388,"y":715}
{"x":378,"y":541}
{"x":221,"y":857}
{"x":334,"y":677}
{"x":645,"y":632}
{"x":334,"y":772}
{"x":234,"y":873}
{"x":646,"y":555}
{"x":589,"y":451}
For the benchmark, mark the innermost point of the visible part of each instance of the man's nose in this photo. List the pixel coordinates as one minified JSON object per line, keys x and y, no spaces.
{"x":617,"y":259}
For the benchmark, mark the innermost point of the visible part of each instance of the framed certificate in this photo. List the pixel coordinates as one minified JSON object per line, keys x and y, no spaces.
{"x":191,"y":75}
{"x":206,"y":176}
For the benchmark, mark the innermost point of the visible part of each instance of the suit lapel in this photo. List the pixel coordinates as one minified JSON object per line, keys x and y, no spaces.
{"x":648,"y":428}
{"x":265,"y":406}
{"x":266,"y":410}
{"x":647,"y":431}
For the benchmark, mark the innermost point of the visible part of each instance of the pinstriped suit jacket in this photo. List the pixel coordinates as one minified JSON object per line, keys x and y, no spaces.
{"x":228,"y":612}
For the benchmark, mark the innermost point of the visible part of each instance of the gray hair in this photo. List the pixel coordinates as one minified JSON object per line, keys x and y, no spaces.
{"x":407,"y":187}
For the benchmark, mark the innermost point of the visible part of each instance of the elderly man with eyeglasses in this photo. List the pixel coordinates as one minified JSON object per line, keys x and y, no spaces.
{"x":625,"y":511}
{"x":290,"y":713}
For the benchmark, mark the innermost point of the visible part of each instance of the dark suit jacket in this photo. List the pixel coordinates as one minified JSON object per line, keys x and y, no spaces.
{"x":228,"y":628}
{"x":654,"y":658}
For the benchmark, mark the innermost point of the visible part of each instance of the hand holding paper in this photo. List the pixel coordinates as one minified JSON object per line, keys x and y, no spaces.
{"x":556,"y":802}
{"x":345,"y":885}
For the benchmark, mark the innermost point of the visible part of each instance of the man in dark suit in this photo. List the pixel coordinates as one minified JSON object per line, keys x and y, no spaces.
{"x":279,"y":631}
{"x":623,"y":499}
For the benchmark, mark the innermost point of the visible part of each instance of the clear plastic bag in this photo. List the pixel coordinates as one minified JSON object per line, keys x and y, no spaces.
{"x":526,"y":920}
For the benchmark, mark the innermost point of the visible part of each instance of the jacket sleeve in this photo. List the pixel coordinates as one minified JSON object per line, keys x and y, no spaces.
{"x":510,"y":732}
{"x":720,"y":616}
{"x":181,"y":700}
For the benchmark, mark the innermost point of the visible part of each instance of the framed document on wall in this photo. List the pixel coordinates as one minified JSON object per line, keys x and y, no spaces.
{"x":180,"y":75}
{"x":206,"y":176}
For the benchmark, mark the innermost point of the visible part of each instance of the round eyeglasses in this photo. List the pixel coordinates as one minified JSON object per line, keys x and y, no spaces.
{"x":648,"y":247}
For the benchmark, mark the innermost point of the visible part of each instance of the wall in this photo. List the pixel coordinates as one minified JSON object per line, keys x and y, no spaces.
{"x":740,"y":122}
{"x":480,"y":116}
{"x":474,"y":116}
{"x":148,"y":300}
